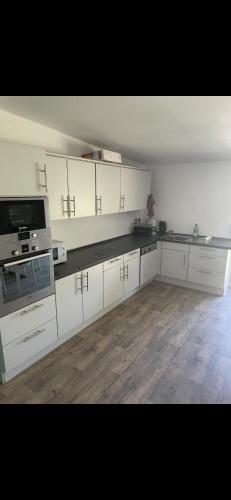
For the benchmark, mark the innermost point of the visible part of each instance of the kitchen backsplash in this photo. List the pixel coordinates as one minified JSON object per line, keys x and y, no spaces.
{"x":85,"y":231}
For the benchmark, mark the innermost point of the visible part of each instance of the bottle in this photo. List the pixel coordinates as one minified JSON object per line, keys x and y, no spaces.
{"x":195,"y":231}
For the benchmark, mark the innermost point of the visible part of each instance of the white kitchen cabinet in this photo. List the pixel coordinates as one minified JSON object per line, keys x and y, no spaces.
{"x":135,"y":188}
{"x":131,"y":275}
{"x":69,"y":301}
{"x":81,"y":182}
{"x":19,"y":170}
{"x":113,"y":284}
{"x":150,"y":265}
{"x":92,"y":291}
{"x":57,"y":187}
{"x":107,"y":189}
{"x":145,"y":181}
{"x":174,"y":263}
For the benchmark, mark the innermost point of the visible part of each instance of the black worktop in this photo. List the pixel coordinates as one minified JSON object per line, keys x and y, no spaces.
{"x":91,"y":255}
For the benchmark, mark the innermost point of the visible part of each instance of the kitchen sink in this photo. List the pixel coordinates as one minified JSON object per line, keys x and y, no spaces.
{"x":177,"y":237}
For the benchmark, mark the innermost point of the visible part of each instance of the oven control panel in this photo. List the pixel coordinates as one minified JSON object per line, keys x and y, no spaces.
{"x":24,"y":243}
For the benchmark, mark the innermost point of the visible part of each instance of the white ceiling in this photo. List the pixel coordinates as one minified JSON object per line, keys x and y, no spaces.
{"x":146,"y":129}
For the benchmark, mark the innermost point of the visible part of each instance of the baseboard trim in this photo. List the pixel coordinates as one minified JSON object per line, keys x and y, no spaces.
{"x":193,"y":286}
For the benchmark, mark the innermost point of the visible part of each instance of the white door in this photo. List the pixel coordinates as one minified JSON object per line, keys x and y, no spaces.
{"x":69,"y":300}
{"x":145,"y":181}
{"x":113,"y":285}
{"x":57,"y":189}
{"x":129,"y":189}
{"x":174,"y":264}
{"x":81,"y":181}
{"x":107,"y":189}
{"x":149,"y":266}
{"x":92,"y":291}
{"x":131,"y":275}
{"x":19,"y":170}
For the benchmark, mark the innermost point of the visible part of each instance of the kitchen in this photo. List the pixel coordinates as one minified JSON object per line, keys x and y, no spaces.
{"x":102,"y":256}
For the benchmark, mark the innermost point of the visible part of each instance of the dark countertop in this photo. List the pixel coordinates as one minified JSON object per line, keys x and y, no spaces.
{"x":91,"y":255}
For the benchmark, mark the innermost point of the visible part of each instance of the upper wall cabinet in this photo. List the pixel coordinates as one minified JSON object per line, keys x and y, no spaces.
{"x":19,"y":170}
{"x":107,"y":189}
{"x":135,"y":188}
{"x":57,"y":187}
{"x":81,"y":182}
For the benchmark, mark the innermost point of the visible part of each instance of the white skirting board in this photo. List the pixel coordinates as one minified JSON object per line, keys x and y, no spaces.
{"x":193,"y":286}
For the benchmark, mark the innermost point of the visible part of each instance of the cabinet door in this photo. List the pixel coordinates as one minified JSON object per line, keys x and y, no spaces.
{"x":19,"y":170}
{"x":69,"y":303}
{"x":149,"y":266}
{"x":81,"y":181}
{"x":144,"y":179}
{"x":107,"y":189}
{"x":113,"y":285}
{"x":129,"y":189}
{"x":57,"y":189}
{"x":92,"y":291}
{"x":174,"y":264}
{"x":131,"y":275}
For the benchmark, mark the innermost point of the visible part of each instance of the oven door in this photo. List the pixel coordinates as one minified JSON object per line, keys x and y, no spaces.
{"x":25,"y":281}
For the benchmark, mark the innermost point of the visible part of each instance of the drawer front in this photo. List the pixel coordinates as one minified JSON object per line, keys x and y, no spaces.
{"x":208,"y":262}
{"x":132,"y":255}
{"x":207,"y":278}
{"x":17,"y":324}
{"x":35,"y":341}
{"x":116,"y":261}
{"x":220,"y":252}
{"x":175,"y":246}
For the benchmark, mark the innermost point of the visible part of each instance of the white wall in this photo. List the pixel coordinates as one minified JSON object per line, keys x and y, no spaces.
{"x":76,"y":232}
{"x":194,"y":193}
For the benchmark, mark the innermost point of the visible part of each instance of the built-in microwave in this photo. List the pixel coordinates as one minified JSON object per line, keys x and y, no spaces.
{"x":59,"y":251}
{"x":24,"y":226}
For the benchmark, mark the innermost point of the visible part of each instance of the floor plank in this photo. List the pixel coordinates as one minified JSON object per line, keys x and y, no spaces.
{"x":164,"y":345}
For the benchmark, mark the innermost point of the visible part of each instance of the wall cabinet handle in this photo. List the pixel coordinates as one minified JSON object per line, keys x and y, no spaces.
{"x":67,"y":210}
{"x":44,"y":171}
{"x":122,"y":202}
{"x":99,"y":207}
{"x":74,"y":209}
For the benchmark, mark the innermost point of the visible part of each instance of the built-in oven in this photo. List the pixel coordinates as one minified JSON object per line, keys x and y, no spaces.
{"x":25,"y":280}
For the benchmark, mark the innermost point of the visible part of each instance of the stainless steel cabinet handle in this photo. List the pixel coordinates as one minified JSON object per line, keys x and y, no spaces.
{"x":79,"y":289}
{"x":205,"y":272}
{"x":134,"y":253}
{"x":207,"y":257}
{"x":99,"y":208}
{"x":126,"y":274}
{"x":44,"y":171}
{"x":122,"y":274}
{"x":122,"y":202}
{"x":32,"y":309}
{"x":184,"y":259}
{"x":67,"y":211}
{"x":35,"y":334}
{"x":72,"y":201}
{"x":114,"y":260}
{"x":87,"y":285}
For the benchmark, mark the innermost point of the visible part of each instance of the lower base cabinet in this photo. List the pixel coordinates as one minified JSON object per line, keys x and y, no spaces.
{"x":131,"y":275}
{"x":174,"y":263}
{"x":121,"y":276}
{"x":79,"y":297}
{"x":113,"y":285}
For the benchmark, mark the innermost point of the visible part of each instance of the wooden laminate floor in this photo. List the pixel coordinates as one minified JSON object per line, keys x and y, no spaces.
{"x":165,"y":344}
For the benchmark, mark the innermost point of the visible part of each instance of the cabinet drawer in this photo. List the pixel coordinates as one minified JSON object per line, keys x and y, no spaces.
{"x":116,"y":261}
{"x":220,"y":252}
{"x":208,"y":262}
{"x":132,"y":255}
{"x":175,"y":246}
{"x":17,"y":324}
{"x":35,"y":341}
{"x":207,"y":278}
